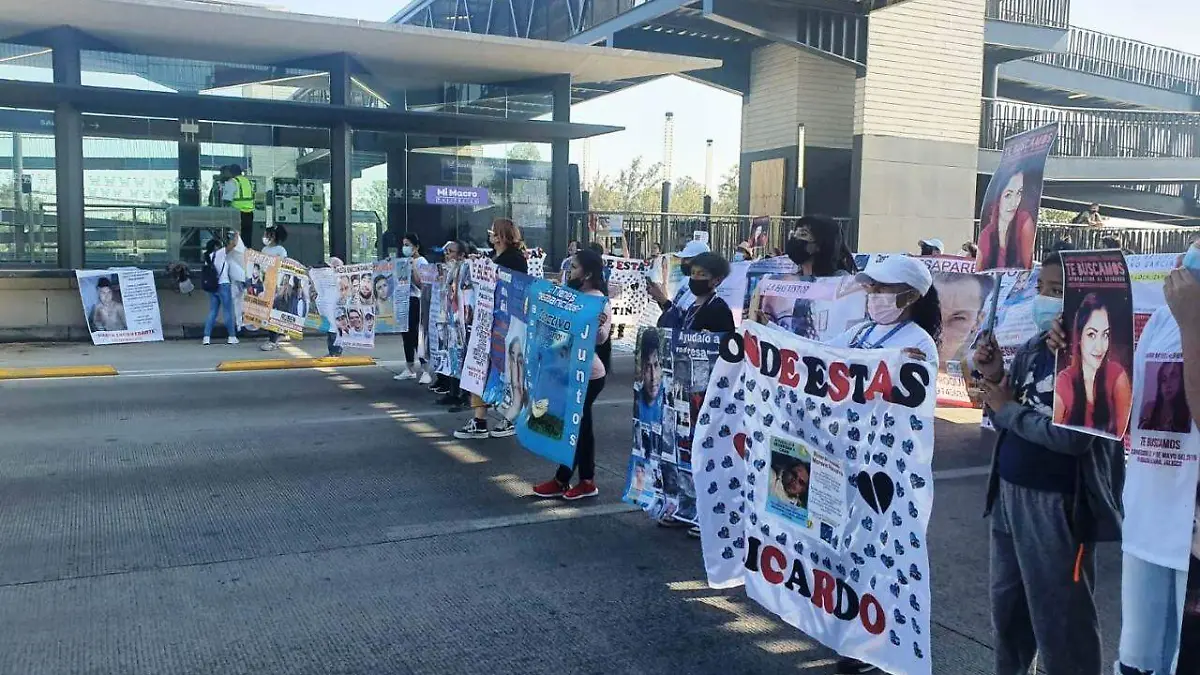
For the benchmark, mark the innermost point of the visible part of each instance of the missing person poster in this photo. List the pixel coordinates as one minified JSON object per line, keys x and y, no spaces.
{"x":1147,"y":274}
{"x":815,"y":308}
{"x":478,"y":354}
{"x":780,"y":268}
{"x":628,"y":298}
{"x":354,"y":316}
{"x":1009,"y":215}
{"x":560,"y":343}
{"x":506,"y":363}
{"x":323,"y":297}
{"x":670,"y":378}
{"x":120,"y":305}
{"x":814,"y":487}
{"x":1093,"y":391}
{"x":277,"y":296}
{"x":448,"y":329}
{"x":387,"y":290}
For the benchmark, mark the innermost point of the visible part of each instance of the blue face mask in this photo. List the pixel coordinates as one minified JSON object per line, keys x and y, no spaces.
{"x":1045,"y":310}
{"x":1191,"y":260}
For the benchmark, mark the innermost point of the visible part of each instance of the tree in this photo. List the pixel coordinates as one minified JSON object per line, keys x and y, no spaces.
{"x":526,"y":151}
{"x":373,"y":197}
{"x":726,"y":202}
{"x":1055,"y":216}
{"x":687,"y":196}
{"x":634,"y":188}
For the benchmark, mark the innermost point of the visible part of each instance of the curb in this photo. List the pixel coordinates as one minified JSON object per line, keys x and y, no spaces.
{"x":290,"y":364}
{"x":56,"y":371}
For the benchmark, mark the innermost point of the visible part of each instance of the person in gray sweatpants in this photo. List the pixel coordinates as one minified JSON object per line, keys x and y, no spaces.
{"x":1052,"y":495}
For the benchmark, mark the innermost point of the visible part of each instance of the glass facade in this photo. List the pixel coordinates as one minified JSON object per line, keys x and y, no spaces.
{"x":28,"y":231}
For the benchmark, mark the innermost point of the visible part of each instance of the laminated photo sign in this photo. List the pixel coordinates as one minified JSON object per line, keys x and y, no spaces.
{"x":120,"y":305}
{"x":814,"y":487}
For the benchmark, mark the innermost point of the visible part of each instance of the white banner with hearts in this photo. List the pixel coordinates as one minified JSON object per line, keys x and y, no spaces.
{"x":814,"y":488}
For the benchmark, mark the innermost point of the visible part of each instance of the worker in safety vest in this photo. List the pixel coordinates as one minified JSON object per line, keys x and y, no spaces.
{"x":238,"y":192}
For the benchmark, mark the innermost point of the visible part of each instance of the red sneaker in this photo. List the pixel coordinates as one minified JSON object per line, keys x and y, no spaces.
{"x":550,"y":489}
{"x":585,"y":488}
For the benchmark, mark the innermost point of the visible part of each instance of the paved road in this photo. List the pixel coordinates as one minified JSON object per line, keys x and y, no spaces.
{"x":313,"y":522}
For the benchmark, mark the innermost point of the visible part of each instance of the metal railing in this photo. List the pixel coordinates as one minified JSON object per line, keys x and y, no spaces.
{"x":1120,"y":58}
{"x":1163,"y":239}
{"x":1050,"y":13}
{"x":1089,"y":132}
{"x":673,"y":230}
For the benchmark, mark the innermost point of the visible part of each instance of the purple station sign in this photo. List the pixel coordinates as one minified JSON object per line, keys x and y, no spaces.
{"x":448,"y":195}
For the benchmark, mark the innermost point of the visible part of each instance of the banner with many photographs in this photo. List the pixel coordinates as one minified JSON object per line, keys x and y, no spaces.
{"x":277,"y":296}
{"x":391,"y":290}
{"x":506,"y":362}
{"x":1009,"y":215}
{"x":354,"y":316}
{"x":120,"y":305}
{"x":814,"y":486}
{"x":560,"y":344}
{"x":670,"y":377}
{"x":1093,"y":391}
{"x":448,"y":318}
{"x":473,"y":377}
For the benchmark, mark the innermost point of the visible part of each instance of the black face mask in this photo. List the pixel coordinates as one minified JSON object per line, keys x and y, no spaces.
{"x":576,"y":284}
{"x":797,"y":250}
{"x":699,"y":287}
{"x":686,"y":268}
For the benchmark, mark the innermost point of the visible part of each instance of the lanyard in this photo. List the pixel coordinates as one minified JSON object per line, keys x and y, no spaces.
{"x":860,"y":340}
{"x":690,"y":316}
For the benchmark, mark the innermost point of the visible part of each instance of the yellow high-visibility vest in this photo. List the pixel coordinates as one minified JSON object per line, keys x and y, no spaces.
{"x":244,"y":199}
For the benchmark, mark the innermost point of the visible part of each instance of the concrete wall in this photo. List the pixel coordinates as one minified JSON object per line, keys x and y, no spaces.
{"x":916,"y":124}
{"x":48,"y":308}
{"x":790,"y":87}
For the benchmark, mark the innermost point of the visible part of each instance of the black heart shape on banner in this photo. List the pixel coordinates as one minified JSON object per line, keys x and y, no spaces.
{"x":877,"y":490}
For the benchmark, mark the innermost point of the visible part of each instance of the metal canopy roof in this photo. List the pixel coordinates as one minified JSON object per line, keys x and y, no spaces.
{"x":400,"y":56}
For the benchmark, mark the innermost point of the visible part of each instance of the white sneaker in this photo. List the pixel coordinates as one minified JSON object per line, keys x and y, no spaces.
{"x":207,"y":340}
{"x":233,"y":339}
{"x":405,"y":374}
{"x":426,"y":378}
{"x":269,"y":346}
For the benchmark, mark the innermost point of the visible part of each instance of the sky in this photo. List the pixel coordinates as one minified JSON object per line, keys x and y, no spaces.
{"x":703,"y":113}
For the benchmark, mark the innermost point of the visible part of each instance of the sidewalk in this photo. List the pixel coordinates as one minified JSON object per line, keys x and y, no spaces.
{"x":181,"y":355}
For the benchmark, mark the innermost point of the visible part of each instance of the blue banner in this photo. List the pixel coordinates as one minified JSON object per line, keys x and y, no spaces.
{"x":560,"y":344}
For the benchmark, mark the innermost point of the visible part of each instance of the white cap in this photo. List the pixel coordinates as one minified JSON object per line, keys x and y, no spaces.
{"x":335,"y":262}
{"x":933,"y":243}
{"x":898,"y":269}
{"x":693,"y":249}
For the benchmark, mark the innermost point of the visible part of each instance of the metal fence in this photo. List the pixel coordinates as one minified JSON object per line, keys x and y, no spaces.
{"x":1088,"y":132}
{"x":673,"y":230}
{"x":1120,"y":58}
{"x":1051,"y":13}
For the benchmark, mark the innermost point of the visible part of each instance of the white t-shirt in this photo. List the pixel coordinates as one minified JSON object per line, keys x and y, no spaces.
{"x":221,"y":263}
{"x":1164,"y":457}
{"x":237,"y":262}
{"x":276,"y":250}
{"x":875,"y":336}
{"x":228,"y":190}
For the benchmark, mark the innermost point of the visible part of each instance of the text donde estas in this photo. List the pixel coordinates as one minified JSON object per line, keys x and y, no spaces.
{"x":835,"y":380}
{"x":832,"y":595}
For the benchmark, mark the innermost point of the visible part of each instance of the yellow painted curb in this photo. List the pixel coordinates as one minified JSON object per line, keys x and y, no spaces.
{"x":56,"y":371}
{"x":288,"y":364}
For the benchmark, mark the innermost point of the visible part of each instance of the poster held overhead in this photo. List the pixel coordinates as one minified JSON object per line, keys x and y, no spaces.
{"x":1093,"y":390}
{"x":1009,"y":214}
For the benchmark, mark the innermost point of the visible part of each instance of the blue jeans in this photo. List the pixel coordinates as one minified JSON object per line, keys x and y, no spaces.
{"x":223,"y":296}
{"x":1152,"y":600}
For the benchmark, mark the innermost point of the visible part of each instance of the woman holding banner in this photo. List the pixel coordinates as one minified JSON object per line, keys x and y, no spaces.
{"x":505,"y":238}
{"x":904,"y":313}
{"x":819,"y":250}
{"x":411,"y":249}
{"x":586,"y":275}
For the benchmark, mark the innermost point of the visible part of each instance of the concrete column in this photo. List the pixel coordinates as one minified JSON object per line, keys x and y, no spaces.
{"x":917,"y":115}
{"x":341,"y":151}
{"x":397,"y":191}
{"x":68,"y":155}
{"x":189,"y":173}
{"x":560,"y":177}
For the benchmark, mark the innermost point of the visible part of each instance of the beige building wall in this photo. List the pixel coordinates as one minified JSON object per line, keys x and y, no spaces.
{"x":916,"y":124}
{"x":789,"y":87}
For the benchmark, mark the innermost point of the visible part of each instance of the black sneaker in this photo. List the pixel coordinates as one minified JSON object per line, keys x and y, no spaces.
{"x":504,"y":430}
{"x":440,"y":390}
{"x":849,"y":666}
{"x":473,"y":429}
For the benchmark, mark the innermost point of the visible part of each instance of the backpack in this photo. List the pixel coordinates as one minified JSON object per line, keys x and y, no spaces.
{"x":210,"y":277}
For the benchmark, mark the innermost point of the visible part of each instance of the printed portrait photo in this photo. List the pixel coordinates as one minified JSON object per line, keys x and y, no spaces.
{"x":102,"y":303}
{"x":1164,"y":405}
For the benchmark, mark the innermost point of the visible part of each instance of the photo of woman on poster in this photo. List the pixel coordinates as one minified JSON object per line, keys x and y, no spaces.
{"x":1164,"y":406}
{"x":1009,"y":220}
{"x":1093,"y":391}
